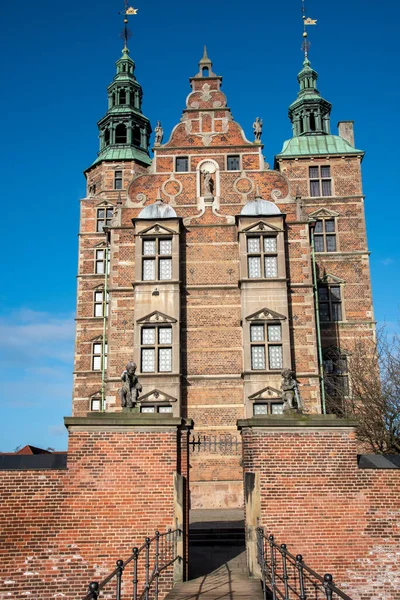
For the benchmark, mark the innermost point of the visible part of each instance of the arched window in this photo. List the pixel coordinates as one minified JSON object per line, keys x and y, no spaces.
{"x":205,"y":72}
{"x":136,"y":136}
{"x":122,"y":97}
{"x":120,"y":134}
{"x":107,"y":137}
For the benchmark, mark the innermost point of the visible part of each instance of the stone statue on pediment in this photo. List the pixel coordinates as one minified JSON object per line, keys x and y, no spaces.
{"x":257,"y":128}
{"x":159,"y":131}
{"x":129,"y":393}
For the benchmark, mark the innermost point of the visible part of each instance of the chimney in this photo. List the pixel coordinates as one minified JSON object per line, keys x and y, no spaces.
{"x":346,"y":131}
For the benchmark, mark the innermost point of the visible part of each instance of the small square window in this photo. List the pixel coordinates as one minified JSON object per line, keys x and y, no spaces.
{"x":330,"y":225}
{"x":165,"y":269}
{"x":256,"y":333}
{"x":277,"y":408}
{"x":148,"y":409}
{"x":271,"y":266}
{"x":258,"y":358}
{"x":165,"y":360}
{"x":331,"y":243}
{"x":269,"y":244}
{"x":149,"y":247}
{"x":275,"y":357}
{"x":274,"y":333}
{"x":148,"y":360}
{"x":165,"y":409}
{"x":95,"y":404}
{"x":325,"y":171}
{"x":313,"y":173}
{"x":148,"y":336}
{"x":254,"y":267}
{"x":260,"y":409}
{"x":233,"y":163}
{"x":165,"y":335}
{"x":253,"y":245}
{"x":182,"y":164}
{"x":118,"y":180}
{"x":166,"y":247}
{"x":149,"y":269}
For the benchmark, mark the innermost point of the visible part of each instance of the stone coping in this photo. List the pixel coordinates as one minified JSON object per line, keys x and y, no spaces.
{"x":296,"y":420}
{"x":123,"y":419}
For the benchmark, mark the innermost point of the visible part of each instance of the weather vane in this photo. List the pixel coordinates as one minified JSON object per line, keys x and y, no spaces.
{"x":306,"y":21}
{"x":127,"y":12}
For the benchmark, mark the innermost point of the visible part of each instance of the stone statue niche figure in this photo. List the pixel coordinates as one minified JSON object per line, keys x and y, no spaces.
{"x":257,"y":128}
{"x":159,"y":131}
{"x":290,"y":392}
{"x":208,"y":184}
{"x":131,"y":387}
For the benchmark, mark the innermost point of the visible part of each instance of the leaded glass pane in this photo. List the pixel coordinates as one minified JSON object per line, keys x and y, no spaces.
{"x":109,"y":213}
{"x":253,"y":245}
{"x":331,"y":243}
{"x":277,"y":408}
{"x":260,"y":409}
{"x":335,"y":292}
{"x":269,"y":244}
{"x":148,"y":360}
{"x":325,"y":171}
{"x":100,"y":213}
{"x":336,"y":311}
{"x":328,"y":366}
{"x":319,"y":243}
{"x":148,"y":336}
{"x":96,"y":363}
{"x":100,"y":225}
{"x":319,"y":227}
{"x":323,"y":294}
{"x":96,"y":348}
{"x":257,"y":357}
{"x":257,"y":333}
{"x":165,"y":409}
{"x":275,"y":357}
{"x":254,"y":266}
{"x":99,"y":254}
{"x":95,"y":404}
{"x":149,"y":269}
{"x":313,"y":172}
{"x":326,"y":187}
{"x":165,"y":335}
{"x":271,"y":266}
{"x":100,"y":267}
{"x":148,"y":409}
{"x":149,"y":247}
{"x":164,"y":359}
{"x":314,"y":188}
{"x":330,"y":225}
{"x":324,"y":312}
{"x":165,"y":246}
{"x":98,"y":310}
{"x":274,"y":333}
{"x":165,"y":268}
{"x":98,"y":296}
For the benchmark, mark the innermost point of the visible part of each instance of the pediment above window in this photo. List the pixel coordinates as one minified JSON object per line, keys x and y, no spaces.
{"x":262,"y":227}
{"x":95,"y":394}
{"x":98,"y":338}
{"x":267,"y":393}
{"x":323,"y":213}
{"x":334,"y":352}
{"x":101,"y":244}
{"x":266,"y":314}
{"x":156,"y":317}
{"x":330,"y":279}
{"x":157,"y":396}
{"x":157,"y":229}
{"x":104,"y":203}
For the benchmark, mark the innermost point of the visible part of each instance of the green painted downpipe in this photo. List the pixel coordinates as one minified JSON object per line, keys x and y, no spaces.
{"x":103,"y":348}
{"x":317,"y":322}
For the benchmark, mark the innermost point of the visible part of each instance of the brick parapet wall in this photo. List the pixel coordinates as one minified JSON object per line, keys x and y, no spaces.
{"x":314,"y":498}
{"x":62,"y":529}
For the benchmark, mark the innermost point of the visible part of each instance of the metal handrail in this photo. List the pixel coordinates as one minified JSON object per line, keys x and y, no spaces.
{"x":276,"y":576}
{"x":165,"y":544}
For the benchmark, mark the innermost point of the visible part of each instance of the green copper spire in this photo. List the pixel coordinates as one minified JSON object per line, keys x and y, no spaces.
{"x":310,"y":113}
{"x":124,"y":130}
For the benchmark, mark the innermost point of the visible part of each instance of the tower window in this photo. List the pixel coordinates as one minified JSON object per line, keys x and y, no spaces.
{"x":100,"y":262}
{"x":122,"y":97}
{"x":312,"y":122}
{"x":320,"y":181}
{"x":97,"y":353}
{"x":136,"y":136}
{"x":336,"y":379}
{"x":157,"y":259}
{"x":325,"y":235}
{"x":118,"y":180}
{"x":266,"y":343}
{"x":262,"y":259}
{"x":233,"y":163}
{"x":106,"y":137}
{"x":205,"y":72}
{"x":100,"y":308}
{"x":181,"y":164}
{"x":156,"y":349}
{"x":120,"y":134}
{"x":103,"y":218}
{"x":330,"y":303}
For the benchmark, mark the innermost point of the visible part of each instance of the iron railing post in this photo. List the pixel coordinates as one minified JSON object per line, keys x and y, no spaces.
{"x":285,"y":575}
{"x":135,"y":553}
{"x":147,"y":566}
{"x":156,"y":564}
{"x":273,"y":565}
{"x":94,"y":589}
{"x":299,"y":565}
{"x":261,"y":558}
{"x":120,"y":567}
{"x":328,"y":581}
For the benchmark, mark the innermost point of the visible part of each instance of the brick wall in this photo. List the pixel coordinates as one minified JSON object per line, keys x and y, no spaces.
{"x":62,"y":529}
{"x":342,"y":519}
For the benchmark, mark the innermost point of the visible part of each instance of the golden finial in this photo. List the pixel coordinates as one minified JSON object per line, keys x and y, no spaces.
{"x":127,"y":12}
{"x":306,"y":21}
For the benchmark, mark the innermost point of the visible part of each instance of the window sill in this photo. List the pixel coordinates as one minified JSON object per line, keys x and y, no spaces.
{"x":264,"y":372}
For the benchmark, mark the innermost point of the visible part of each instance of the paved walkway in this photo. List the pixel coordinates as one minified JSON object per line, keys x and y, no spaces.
{"x":221,"y":584}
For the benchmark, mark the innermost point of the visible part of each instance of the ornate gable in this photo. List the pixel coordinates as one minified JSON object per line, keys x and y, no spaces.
{"x":266,"y":314}
{"x":262,"y":227}
{"x":157,"y":396}
{"x":267,"y":393}
{"x":156,"y":317}
{"x":322,"y":213}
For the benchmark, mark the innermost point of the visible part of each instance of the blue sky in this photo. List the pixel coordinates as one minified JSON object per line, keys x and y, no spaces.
{"x":59,"y":59}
